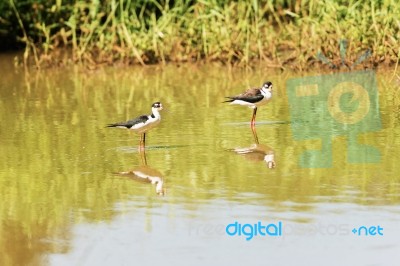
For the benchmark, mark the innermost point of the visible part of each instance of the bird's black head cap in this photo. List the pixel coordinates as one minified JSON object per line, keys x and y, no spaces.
{"x":267,"y":85}
{"x":156,"y":105}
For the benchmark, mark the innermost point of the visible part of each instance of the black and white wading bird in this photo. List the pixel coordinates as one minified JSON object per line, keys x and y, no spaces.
{"x":143,"y":123}
{"x":253,"y":98}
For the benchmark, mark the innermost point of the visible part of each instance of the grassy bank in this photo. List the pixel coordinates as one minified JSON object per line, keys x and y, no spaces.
{"x":280,"y":33}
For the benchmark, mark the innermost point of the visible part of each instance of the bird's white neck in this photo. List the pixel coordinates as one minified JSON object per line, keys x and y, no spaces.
{"x":155,"y":112}
{"x":266,"y":93}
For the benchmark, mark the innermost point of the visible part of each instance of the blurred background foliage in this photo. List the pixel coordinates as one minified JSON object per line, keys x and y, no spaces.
{"x":278,"y":32}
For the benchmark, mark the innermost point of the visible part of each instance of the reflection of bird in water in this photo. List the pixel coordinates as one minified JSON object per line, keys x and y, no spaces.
{"x":253,"y":98}
{"x":258,"y":152}
{"x":143,"y":123}
{"x":147,"y":175}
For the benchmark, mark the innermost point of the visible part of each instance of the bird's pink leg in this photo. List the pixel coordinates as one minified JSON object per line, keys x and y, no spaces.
{"x":253,"y":119}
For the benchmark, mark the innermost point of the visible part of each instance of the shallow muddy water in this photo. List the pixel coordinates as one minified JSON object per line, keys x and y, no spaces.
{"x":72,"y":192}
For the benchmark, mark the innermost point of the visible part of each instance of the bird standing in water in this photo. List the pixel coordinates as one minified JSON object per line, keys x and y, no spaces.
{"x":253,"y":98}
{"x":143,"y":123}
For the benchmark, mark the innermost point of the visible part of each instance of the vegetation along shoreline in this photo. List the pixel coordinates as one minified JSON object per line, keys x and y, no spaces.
{"x":279,"y":34}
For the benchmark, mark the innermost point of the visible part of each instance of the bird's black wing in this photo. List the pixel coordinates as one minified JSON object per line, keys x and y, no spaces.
{"x":246,"y":98}
{"x":251,"y":96}
{"x":130,"y":123}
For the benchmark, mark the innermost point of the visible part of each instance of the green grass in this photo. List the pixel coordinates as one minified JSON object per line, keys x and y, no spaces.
{"x":281,"y":33}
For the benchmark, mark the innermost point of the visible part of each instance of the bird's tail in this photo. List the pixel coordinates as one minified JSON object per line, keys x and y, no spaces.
{"x":112,"y":125}
{"x":228,"y":101}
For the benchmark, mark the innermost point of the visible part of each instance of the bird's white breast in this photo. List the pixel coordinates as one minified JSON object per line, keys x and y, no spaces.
{"x":149,"y":124}
{"x":267,"y":97}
